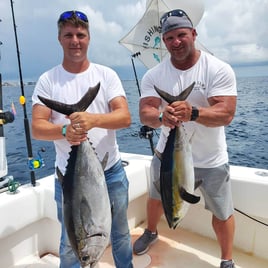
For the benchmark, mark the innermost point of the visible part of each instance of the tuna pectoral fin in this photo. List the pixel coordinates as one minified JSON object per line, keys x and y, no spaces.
{"x":190,"y":198}
{"x":197,"y":184}
{"x":59,"y":175}
{"x":104,"y":160}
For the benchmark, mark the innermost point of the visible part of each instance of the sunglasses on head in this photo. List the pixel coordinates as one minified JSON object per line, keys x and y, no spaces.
{"x":69,"y":14}
{"x":174,"y":13}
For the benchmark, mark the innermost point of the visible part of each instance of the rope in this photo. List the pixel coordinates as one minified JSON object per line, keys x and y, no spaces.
{"x":243,"y":213}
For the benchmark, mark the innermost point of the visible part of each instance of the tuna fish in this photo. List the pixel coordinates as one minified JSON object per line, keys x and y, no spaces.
{"x":177,"y":181}
{"x":87,"y":211}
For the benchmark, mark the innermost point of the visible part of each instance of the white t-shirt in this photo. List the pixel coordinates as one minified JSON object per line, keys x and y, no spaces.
{"x":60,"y":85}
{"x":212,"y":77}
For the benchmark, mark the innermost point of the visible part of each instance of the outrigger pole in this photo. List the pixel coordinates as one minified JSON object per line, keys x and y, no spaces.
{"x":145,"y":131}
{"x":23,"y":102}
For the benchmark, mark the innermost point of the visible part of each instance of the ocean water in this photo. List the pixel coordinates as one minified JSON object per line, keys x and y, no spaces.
{"x":246,"y":136}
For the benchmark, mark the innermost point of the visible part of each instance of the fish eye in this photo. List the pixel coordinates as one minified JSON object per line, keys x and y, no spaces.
{"x":85,"y":258}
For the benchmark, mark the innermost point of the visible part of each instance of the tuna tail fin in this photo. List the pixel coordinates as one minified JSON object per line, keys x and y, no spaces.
{"x":188,"y":197}
{"x":68,"y":109}
{"x":169,"y":98}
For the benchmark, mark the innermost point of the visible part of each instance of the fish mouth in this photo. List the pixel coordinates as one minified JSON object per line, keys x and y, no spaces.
{"x":96,"y":234}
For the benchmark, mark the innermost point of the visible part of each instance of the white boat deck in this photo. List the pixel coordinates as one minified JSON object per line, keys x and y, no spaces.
{"x":30,"y":227}
{"x":175,"y":248}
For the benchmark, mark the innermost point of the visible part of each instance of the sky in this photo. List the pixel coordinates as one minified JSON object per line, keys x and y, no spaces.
{"x":234,"y":30}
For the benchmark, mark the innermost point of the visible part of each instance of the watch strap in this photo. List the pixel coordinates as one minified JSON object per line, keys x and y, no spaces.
{"x":160,"y":117}
{"x":63,"y":130}
{"x":195,"y":113}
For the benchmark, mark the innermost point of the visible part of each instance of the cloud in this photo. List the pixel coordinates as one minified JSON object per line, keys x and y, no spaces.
{"x":37,"y":32}
{"x":234,"y":31}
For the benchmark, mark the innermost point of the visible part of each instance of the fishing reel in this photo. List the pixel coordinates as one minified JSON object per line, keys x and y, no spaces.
{"x":6,"y":117}
{"x":146,"y":132}
{"x":38,"y":162}
{"x":13,"y":185}
{"x":8,"y":183}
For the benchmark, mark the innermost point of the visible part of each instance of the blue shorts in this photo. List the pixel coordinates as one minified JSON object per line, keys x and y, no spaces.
{"x":215,"y":187}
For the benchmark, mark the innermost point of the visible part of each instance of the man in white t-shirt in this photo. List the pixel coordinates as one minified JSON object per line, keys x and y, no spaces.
{"x":67,"y":83}
{"x":210,"y":106}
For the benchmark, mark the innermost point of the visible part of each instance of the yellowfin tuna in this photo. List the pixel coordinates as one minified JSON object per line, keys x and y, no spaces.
{"x":87,"y":211}
{"x":177,"y":182}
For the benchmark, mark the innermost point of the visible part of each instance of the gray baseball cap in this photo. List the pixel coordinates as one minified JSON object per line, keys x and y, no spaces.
{"x":175,"y":19}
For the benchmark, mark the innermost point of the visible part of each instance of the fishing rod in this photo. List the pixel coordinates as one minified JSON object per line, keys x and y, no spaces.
{"x":145,"y":131}
{"x":3,"y":161}
{"x":23,"y":103}
{"x":1,"y":98}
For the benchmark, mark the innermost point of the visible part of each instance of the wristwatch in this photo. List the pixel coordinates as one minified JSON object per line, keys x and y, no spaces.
{"x":160,"y":117}
{"x":63,"y":130}
{"x":195,"y":113}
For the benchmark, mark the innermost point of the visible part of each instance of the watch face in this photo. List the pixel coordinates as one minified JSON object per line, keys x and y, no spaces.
{"x":195,"y":114}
